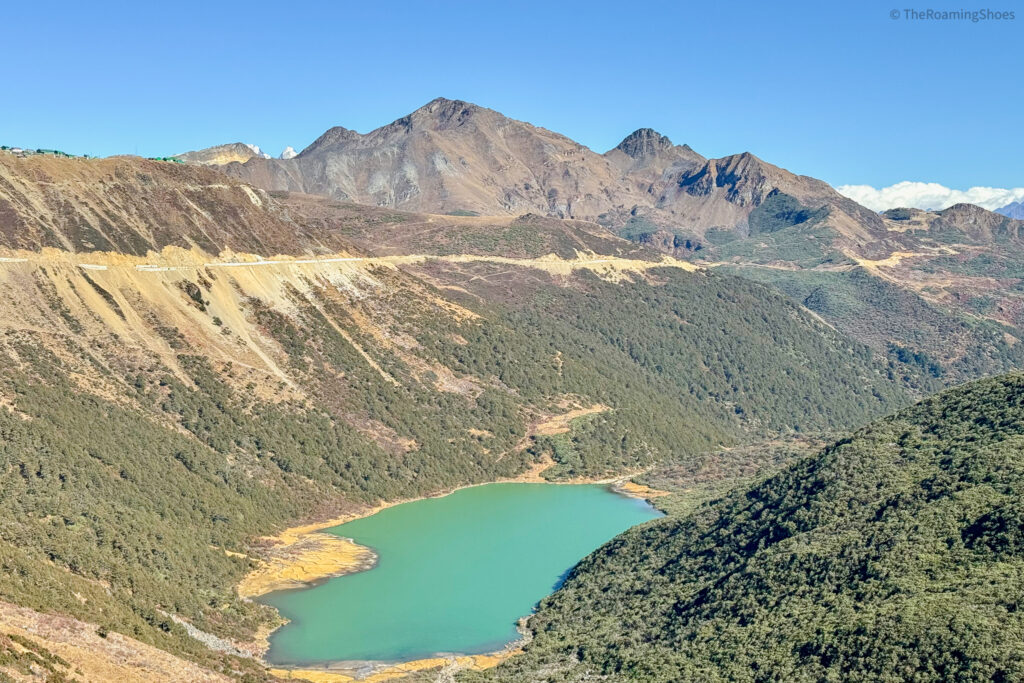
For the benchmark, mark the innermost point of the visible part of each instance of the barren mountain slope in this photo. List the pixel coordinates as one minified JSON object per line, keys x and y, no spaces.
{"x":455,"y":157}
{"x":445,"y":157}
{"x":129,"y":205}
{"x":385,"y":231}
{"x":648,"y":160}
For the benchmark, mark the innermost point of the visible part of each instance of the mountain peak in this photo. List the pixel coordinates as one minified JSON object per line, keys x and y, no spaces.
{"x":964,"y":209}
{"x":441,"y":112}
{"x":444,"y":102}
{"x":643,"y":143}
{"x":972,"y":214}
{"x":1013,"y":210}
{"x":333,"y":136}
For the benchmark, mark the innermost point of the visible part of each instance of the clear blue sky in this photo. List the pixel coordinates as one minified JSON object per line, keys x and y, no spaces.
{"x":837,"y":90}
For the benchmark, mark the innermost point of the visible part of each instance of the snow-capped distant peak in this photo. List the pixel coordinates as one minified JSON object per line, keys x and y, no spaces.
{"x":289,"y":153}
{"x":257,"y":151}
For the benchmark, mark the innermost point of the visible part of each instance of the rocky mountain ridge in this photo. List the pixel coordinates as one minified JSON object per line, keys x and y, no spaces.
{"x":1013,"y":210}
{"x":451,"y":156}
{"x":455,"y":157}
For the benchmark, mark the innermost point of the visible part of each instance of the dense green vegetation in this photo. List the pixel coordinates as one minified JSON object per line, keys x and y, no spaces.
{"x":119,"y":504}
{"x":517,"y":239}
{"x":896,"y":554}
{"x":727,"y":360}
{"x":636,"y":228}
{"x":640,"y":229}
{"x":1004,"y":263}
{"x":898,"y":322}
{"x":694,"y":480}
{"x":900,"y":214}
{"x":116,"y":519}
{"x":780,"y":210}
{"x":804,"y":245}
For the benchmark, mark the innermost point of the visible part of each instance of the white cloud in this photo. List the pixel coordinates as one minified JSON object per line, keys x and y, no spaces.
{"x":929,"y":196}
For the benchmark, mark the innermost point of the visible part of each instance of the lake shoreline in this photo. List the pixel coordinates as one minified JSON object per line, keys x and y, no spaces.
{"x":292,"y":560}
{"x":373,"y":671}
{"x":296,"y":551}
{"x":305,"y":556}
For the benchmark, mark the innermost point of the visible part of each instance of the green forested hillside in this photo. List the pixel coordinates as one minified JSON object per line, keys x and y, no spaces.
{"x":895,"y":554}
{"x":892,"y":319}
{"x":685,"y":361}
{"x":126,"y":475}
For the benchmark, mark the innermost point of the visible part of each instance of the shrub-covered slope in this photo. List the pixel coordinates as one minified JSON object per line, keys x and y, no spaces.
{"x":896,"y":554}
{"x":173,"y":397}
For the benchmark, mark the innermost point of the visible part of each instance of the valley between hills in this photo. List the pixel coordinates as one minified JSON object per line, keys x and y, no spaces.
{"x":200,"y":356}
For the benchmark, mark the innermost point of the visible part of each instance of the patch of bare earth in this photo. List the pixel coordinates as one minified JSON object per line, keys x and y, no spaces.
{"x":87,"y":656}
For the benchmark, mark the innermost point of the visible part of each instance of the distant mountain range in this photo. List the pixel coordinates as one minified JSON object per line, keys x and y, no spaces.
{"x":223,"y":154}
{"x":1013,"y":210}
{"x":232,"y":152}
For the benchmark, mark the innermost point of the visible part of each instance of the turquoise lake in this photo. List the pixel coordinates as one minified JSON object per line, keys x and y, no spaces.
{"x":453,"y":573}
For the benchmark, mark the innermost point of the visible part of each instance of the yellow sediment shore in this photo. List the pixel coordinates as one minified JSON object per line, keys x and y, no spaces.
{"x":304,"y":554}
{"x":277,"y":574}
{"x":301,"y":555}
{"x":306,"y":559}
{"x":635,"y":490}
{"x":475,"y":662}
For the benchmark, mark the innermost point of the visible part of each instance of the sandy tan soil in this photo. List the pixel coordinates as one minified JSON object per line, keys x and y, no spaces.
{"x":396,"y":671}
{"x":91,"y":657}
